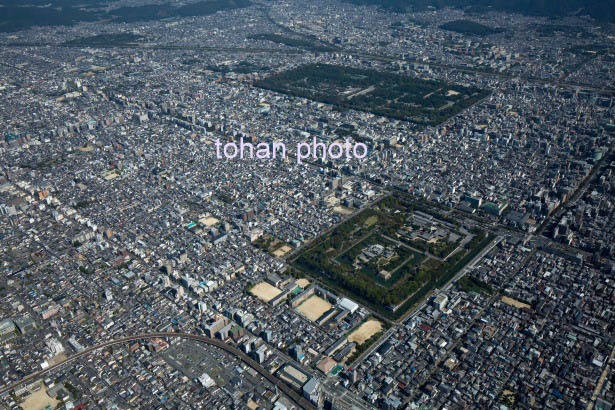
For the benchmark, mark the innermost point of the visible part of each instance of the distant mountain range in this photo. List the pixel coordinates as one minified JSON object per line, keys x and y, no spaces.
{"x":601,"y":10}
{"x":18,"y":15}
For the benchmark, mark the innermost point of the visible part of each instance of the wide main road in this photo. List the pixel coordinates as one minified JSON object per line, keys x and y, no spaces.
{"x":297,"y":398}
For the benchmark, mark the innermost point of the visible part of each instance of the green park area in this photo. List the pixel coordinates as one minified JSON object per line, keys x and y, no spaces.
{"x":381,"y":256}
{"x":425,"y":102}
{"x":469,"y":27}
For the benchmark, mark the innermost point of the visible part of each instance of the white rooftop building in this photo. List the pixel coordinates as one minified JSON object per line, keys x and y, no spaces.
{"x":348,"y":305}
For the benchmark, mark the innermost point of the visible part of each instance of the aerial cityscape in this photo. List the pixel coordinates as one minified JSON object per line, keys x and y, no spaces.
{"x":282,"y":204}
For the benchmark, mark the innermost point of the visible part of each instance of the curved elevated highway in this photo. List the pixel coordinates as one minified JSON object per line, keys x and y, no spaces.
{"x":297,"y":398}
